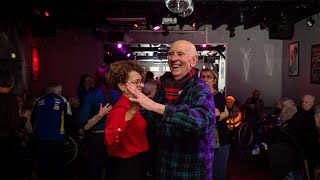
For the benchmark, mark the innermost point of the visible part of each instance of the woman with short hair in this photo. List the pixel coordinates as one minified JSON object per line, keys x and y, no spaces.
{"x":125,"y":129}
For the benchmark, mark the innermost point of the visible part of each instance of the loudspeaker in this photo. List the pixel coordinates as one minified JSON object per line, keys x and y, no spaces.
{"x":281,"y":31}
{"x":43,"y":27}
{"x":115,"y":36}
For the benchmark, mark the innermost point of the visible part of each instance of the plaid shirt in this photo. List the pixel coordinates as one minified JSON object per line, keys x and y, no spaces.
{"x":184,"y":133}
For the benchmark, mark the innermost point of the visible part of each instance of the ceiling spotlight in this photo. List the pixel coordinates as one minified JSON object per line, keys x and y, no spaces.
{"x":178,"y":6}
{"x":310,"y":21}
{"x":232,"y":34}
{"x":231,"y":29}
{"x":264,"y":26}
{"x":241,"y":17}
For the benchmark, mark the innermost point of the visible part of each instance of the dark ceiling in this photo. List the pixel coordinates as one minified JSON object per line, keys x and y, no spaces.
{"x":94,"y":13}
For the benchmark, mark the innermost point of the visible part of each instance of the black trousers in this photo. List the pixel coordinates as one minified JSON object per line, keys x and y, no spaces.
{"x":133,"y":168}
{"x":97,"y":157}
{"x":50,"y":158}
{"x":11,"y":162}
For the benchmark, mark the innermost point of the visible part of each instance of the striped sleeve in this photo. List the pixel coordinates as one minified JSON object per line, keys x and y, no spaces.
{"x":9,"y":115}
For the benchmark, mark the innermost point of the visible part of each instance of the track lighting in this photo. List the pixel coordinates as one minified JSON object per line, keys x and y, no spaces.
{"x":232,"y":34}
{"x":231,"y":29}
{"x":310,"y":21}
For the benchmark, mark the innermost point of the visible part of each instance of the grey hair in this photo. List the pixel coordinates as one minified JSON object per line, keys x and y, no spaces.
{"x":309,"y":96}
{"x":288,"y":103}
{"x":149,"y":87}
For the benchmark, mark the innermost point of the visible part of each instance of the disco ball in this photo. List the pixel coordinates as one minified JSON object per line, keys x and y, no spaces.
{"x":178,"y":6}
{"x":188,"y":12}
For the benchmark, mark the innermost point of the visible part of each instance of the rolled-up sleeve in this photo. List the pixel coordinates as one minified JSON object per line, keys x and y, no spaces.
{"x":115,"y":126}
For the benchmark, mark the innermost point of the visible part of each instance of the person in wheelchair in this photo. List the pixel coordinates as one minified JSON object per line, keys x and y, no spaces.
{"x":286,"y":153}
{"x":268,"y":122}
{"x":235,"y":114}
{"x":253,"y":111}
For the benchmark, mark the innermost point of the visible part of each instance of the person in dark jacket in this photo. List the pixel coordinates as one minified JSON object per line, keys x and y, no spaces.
{"x":10,"y":122}
{"x":84,"y":87}
{"x":220,"y":131}
{"x":48,"y":118}
{"x":96,"y":105}
{"x":286,"y":144}
{"x":312,"y":155}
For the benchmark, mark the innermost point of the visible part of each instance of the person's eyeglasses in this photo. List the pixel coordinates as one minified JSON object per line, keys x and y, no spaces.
{"x":137,"y":82}
{"x":206,"y":77}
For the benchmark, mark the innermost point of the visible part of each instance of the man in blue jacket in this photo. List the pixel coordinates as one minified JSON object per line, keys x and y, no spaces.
{"x":48,"y":118}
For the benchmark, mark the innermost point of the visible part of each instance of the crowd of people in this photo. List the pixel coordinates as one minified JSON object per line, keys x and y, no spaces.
{"x":180,"y":127}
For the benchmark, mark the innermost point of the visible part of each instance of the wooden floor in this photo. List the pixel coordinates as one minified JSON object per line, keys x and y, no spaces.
{"x":242,"y":166}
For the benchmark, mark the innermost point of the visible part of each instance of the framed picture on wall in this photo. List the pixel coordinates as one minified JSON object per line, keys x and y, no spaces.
{"x":315,"y":64}
{"x":35,"y":66}
{"x":294,"y":59}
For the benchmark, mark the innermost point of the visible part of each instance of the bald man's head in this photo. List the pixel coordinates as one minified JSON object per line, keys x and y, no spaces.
{"x":307,"y":102}
{"x":188,"y":45}
{"x":182,"y":56}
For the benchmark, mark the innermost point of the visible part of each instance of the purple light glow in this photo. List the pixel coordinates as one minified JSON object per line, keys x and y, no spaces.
{"x":119,"y":46}
{"x":128,"y":55}
{"x":204,"y":45}
{"x":156,"y":28}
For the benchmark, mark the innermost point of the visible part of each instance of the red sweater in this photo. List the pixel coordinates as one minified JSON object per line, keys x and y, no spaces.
{"x":125,"y":139}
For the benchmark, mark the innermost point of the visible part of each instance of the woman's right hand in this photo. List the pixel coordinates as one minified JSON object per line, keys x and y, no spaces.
{"x":104,"y":110}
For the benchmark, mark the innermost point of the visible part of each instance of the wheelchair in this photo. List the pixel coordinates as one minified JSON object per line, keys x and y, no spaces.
{"x":244,"y":135}
{"x":70,"y":149}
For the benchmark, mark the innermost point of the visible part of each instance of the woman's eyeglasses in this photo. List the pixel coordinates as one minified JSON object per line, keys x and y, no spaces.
{"x":206,"y":77}
{"x":137,"y":82}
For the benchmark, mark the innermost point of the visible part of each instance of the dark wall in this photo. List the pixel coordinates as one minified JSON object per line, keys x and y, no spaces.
{"x":296,"y":86}
{"x":65,"y":57}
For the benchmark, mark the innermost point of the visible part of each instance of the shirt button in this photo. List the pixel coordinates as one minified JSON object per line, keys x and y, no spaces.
{"x":119,"y":129}
{"x":167,"y":119}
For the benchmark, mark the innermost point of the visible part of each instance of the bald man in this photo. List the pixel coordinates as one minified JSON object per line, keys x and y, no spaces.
{"x":307,"y":102}
{"x":183,"y":114}
{"x":310,"y":133}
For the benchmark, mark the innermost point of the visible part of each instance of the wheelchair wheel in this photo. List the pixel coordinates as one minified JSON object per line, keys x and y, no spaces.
{"x":245,"y":135}
{"x":70,"y":150}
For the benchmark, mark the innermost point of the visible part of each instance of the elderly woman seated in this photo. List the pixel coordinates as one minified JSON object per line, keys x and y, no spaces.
{"x":283,"y":154}
{"x":235,"y":115}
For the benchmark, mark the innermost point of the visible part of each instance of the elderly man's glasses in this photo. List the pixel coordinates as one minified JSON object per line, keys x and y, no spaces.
{"x":206,"y":77}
